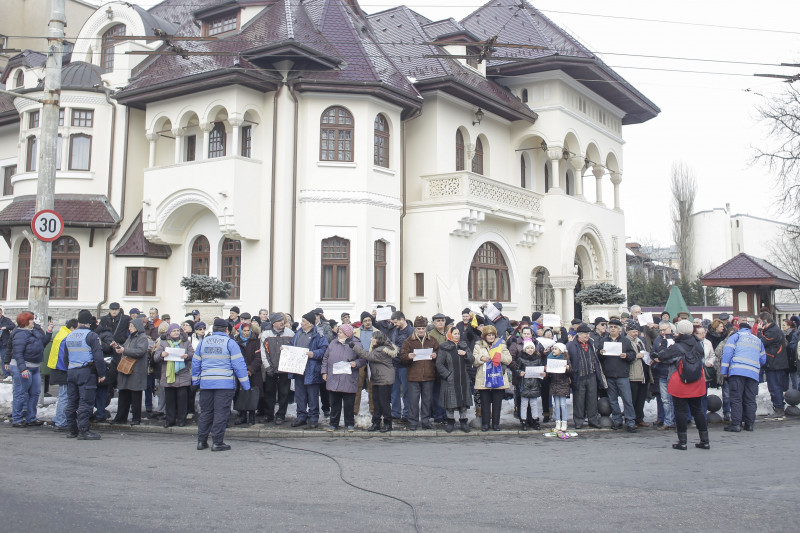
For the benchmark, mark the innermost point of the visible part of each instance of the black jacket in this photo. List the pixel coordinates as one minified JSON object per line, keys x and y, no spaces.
{"x":615,"y":366}
{"x":118,"y":326}
{"x":775,"y":346}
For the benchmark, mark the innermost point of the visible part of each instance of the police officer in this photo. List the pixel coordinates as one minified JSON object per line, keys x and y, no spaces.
{"x":83,"y":356}
{"x":214,"y":364}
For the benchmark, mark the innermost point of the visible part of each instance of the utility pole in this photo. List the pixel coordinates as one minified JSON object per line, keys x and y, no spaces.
{"x":45,"y":191}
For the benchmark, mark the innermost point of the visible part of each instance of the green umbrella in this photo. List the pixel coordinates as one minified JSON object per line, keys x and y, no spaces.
{"x":676,"y":303}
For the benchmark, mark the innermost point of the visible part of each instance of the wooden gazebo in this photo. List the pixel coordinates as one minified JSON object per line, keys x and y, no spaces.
{"x":753,"y":281}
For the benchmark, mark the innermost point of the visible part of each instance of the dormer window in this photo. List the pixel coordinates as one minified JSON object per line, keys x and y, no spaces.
{"x":222,"y":24}
{"x":19,"y":79}
{"x":473,"y":53}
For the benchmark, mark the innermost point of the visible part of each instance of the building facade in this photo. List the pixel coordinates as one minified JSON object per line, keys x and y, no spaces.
{"x":317,"y":156}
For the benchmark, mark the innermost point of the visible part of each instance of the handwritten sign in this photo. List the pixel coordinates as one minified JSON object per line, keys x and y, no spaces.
{"x":545,"y":342}
{"x":423,"y":354}
{"x":491,"y":311}
{"x":293,"y":360}
{"x":557,"y":366}
{"x":645,"y":318}
{"x":342,"y":367}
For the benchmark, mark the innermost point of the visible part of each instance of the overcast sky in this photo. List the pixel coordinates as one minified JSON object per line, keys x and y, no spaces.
{"x":709,"y":121}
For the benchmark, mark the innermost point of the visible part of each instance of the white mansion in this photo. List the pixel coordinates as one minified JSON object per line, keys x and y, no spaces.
{"x":317,"y":156}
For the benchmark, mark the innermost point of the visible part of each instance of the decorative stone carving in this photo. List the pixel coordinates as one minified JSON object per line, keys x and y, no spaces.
{"x":438,"y":188}
{"x":563,"y":282}
{"x":530,"y":232}
{"x":352,"y":197}
{"x":468,"y":225}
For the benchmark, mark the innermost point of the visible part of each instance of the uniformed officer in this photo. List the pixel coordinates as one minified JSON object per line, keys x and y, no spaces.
{"x":216,"y":360}
{"x":81,"y":353}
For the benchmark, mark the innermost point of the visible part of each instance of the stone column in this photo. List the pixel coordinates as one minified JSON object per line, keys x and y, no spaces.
{"x":236,"y":138}
{"x":555,"y":154}
{"x":598,"y":171}
{"x":178,"y":133}
{"x":207,"y":127}
{"x":616,"y":178}
{"x":559,"y":301}
{"x":577,"y":169}
{"x":152,"y":137}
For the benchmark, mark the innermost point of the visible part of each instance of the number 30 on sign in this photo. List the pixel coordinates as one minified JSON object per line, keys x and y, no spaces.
{"x":47,"y":225}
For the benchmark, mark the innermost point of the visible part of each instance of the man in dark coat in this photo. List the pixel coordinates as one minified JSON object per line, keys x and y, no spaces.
{"x":116,"y":322}
{"x":586,"y":375}
{"x":501,"y":322}
{"x":777,"y":360}
{"x":617,"y":371}
{"x":6,"y":327}
{"x":398,"y":330}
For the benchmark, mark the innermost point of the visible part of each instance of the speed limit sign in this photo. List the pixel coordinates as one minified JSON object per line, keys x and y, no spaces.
{"x":47,"y":225}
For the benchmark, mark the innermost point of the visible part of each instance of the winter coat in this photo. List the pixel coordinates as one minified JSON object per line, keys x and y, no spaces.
{"x":183,"y":377}
{"x":575,"y":351}
{"x":58,"y":376}
{"x":135,"y":346}
{"x":482,"y":350}
{"x":452,"y":367}
{"x":397,"y":335}
{"x":218,"y":364}
{"x":559,"y":383}
{"x":639,"y":371}
{"x":419,"y":371}
{"x":118,"y":326}
{"x":335,"y":353}
{"x":27,"y":347}
{"x":530,"y":386}
{"x":318,"y":346}
{"x":775,"y":346}
{"x":106,"y":339}
{"x":271,"y":349}
{"x":791,"y":348}
{"x":743,"y":355}
{"x":251,"y":351}
{"x":684,"y":344}
{"x":5,"y":334}
{"x":615,"y":366}
{"x":660,"y":370}
{"x":381,"y":362}
{"x":515,"y":348}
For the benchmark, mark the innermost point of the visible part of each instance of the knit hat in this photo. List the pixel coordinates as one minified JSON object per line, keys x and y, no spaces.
{"x":220,"y":323}
{"x":173,"y":327}
{"x":526,"y":344}
{"x":310,"y":317}
{"x":560,"y":346}
{"x":347,"y":329}
{"x":277,"y":317}
{"x":535,"y":316}
{"x":189,"y":323}
{"x":525,"y":320}
{"x":84,"y":317}
{"x":420,"y":322}
{"x":235,"y":309}
{"x":685,"y":327}
{"x":365,"y":315}
{"x":583,"y":328}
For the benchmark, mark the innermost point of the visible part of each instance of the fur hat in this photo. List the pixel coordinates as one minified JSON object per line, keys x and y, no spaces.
{"x":420,"y":322}
{"x":488,"y":330}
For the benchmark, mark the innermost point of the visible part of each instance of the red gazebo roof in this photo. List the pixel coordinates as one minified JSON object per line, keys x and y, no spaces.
{"x":745,"y":269}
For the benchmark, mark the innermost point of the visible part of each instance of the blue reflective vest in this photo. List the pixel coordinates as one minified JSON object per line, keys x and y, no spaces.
{"x":80,"y":353}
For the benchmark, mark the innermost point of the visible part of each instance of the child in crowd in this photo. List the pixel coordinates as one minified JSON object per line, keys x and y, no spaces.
{"x":530,"y":388}
{"x":559,"y":387}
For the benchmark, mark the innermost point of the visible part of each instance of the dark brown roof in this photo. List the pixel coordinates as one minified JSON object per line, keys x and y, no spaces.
{"x":27,"y":59}
{"x":134,"y":244}
{"x":745,"y":269}
{"x":77,"y":210}
{"x":517,"y":22}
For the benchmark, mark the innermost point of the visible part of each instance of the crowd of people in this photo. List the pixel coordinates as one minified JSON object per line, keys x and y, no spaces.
{"x":416,"y":373}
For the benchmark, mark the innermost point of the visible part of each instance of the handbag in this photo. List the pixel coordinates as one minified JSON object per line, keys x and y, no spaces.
{"x":494,"y":376}
{"x":246,"y":400}
{"x":125,"y":365}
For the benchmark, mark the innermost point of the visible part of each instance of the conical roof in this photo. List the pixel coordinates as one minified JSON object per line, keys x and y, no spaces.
{"x":676,"y":304}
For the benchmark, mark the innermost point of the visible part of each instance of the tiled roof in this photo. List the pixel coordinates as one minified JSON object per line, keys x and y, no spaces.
{"x":134,"y":244}
{"x":77,"y":210}
{"x":27,"y":59}
{"x":745,"y":269}
{"x":444,"y":27}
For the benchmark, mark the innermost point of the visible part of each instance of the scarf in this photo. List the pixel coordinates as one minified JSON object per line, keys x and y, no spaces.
{"x":173,"y":367}
{"x":495,"y":351}
{"x":450,"y":335}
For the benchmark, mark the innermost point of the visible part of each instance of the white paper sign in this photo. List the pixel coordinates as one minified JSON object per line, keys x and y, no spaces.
{"x":423,"y":354}
{"x":545,"y":342}
{"x":647,"y":360}
{"x":293,"y":360}
{"x":645,"y":318}
{"x":533,"y":372}
{"x":342,"y":367}
{"x":612,"y":348}
{"x":383,"y":313}
{"x":491,"y":311}
{"x":174,"y":354}
{"x":670,"y":342}
{"x":551,"y":321}
{"x":557,"y":366}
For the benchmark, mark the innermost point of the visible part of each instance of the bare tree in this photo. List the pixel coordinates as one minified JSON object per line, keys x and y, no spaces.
{"x":684,"y":189}
{"x":784,"y":253}
{"x":782,"y":117}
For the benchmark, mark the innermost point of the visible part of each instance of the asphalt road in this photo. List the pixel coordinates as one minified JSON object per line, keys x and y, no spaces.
{"x":595,"y":482}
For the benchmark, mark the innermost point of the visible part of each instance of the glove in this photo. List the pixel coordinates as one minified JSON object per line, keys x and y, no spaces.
{"x":350,"y":341}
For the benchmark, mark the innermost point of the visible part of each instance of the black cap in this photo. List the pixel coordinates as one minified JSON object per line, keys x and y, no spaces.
{"x":310,"y":317}
{"x":614,"y":322}
{"x":525,"y":320}
{"x":84,"y":316}
{"x":235,"y":309}
{"x":724,"y":316}
{"x":437,"y":316}
{"x":114,"y":305}
{"x":600,"y":320}
{"x":583,"y":328}
{"x":134,"y":311}
{"x":220,"y":323}
{"x":576,"y":321}
{"x":318,"y":311}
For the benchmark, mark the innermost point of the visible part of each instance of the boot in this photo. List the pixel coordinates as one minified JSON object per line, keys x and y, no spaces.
{"x":465,"y":425}
{"x":536,"y":425}
{"x":251,"y":418}
{"x":524,"y":425}
{"x":376,"y":425}
{"x":704,"y":444}
{"x":681,"y":444}
{"x":387,"y":426}
{"x":451,"y":425}
{"x":241,"y":419}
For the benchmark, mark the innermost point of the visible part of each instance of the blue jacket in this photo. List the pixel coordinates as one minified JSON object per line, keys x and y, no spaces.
{"x":319,"y":343}
{"x":743,"y":355}
{"x":215,"y":362}
{"x":5,"y":335}
{"x":27,"y":346}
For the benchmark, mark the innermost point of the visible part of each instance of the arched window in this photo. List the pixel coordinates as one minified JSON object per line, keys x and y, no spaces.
{"x":459,"y":150}
{"x":544,"y":294}
{"x":524,"y":96}
{"x":31,"y":154}
{"x":232,"y":265}
{"x":201,"y":256}
{"x":19,"y":79}
{"x":336,"y":135}
{"x":64,"y":268}
{"x":381,"y":158}
{"x":216,"y":141}
{"x":380,"y":271}
{"x":23,"y":269}
{"x":522,"y":170}
{"x":488,"y":275}
{"x":108,"y":46}
{"x":477,"y":159}
{"x":335,"y":269}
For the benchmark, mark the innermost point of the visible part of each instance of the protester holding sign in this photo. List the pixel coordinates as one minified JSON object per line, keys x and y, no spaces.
{"x":559,"y":384}
{"x":306,"y":385}
{"x":616,"y":355}
{"x":490,"y":355}
{"x":176,"y":376}
{"x":339,"y":370}
{"x":418,"y":354}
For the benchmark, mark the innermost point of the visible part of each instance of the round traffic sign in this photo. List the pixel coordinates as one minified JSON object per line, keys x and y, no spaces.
{"x":47,"y":225}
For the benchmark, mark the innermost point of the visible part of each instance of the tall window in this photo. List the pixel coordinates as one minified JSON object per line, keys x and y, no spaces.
{"x":8,"y":173}
{"x":59,"y":151}
{"x":477,"y":159}
{"x":140,"y":281}
{"x":381,"y":157}
{"x":247,"y":141}
{"x":525,"y":96}
{"x":419,"y":284}
{"x":80,"y":151}
{"x":201,"y":256}
{"x":222,"y":24}
{"x":107,"y":58}
{"x":546,"y":178}
{"x":380,"y":271}
{"x":32,"y":154}
{"x":232,"y":265}
{"x":488,"y":275}
{"x":335,"y":269}
{"x":19,"y":79}
{"x":82,"y":118}
{"x":3,"y":283}
{"x":23,"y":269}
{"x":61,"y":117}
{"x":522,"y":171}
{"x":459,"y":150}
{"x":191,"y":147}
{"x":64,"y":269}
{"x":33,"y":119}
{"x":336,"y":135}
{"x":216,"y":141}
